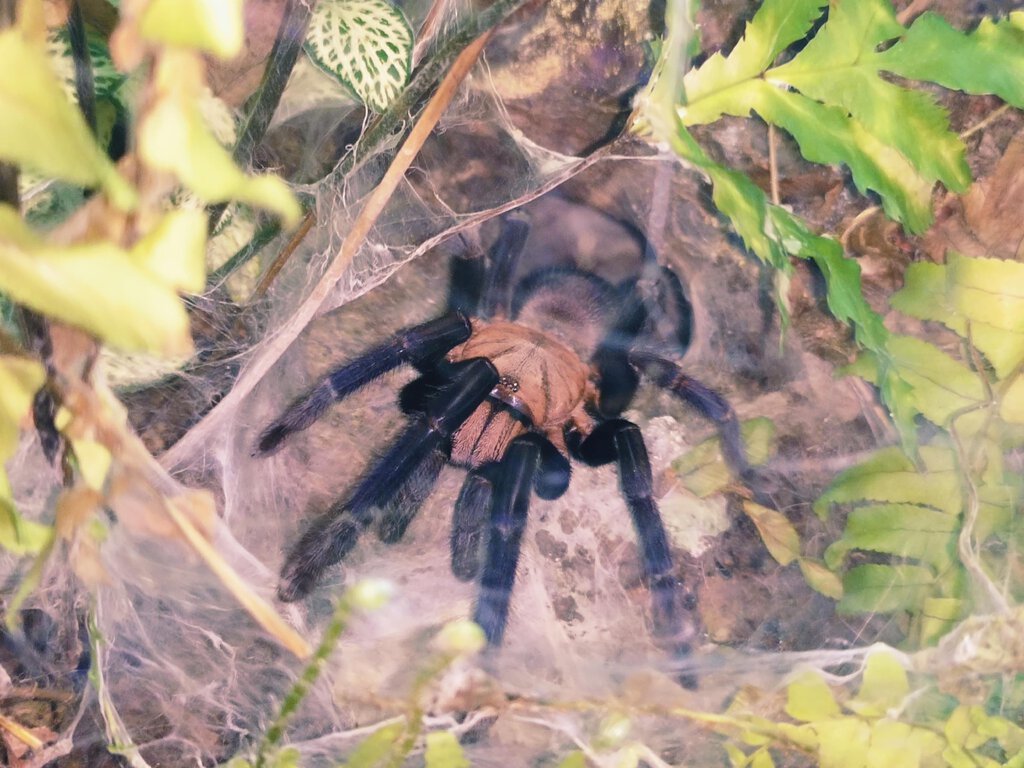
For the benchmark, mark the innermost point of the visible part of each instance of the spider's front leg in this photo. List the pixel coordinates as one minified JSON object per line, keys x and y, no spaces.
{"x":417,"y":345}
{"x":334,"y":534}
{"x":621,"y":441}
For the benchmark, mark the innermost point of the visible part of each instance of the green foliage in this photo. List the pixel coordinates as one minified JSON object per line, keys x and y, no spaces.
{"x":365,"y":44}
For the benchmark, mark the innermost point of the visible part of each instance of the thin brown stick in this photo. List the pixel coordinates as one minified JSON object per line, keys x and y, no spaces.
{"x":773,"y":168}
{"x":282,"y":258}
{"x":361,"y":227}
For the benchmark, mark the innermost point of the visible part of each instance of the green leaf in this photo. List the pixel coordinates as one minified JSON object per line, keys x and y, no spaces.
{"x":987,"y":290}
{"x":444,"y":751}
{"x":41,"y":129}
{"x":891,"y":744}
{"x":776,"y":25}
{"x":889,"y":476}
{"x":885,"y":588}
{"x":703,"y":469}
{"x":778,"y":534}
{"x":96,"y":286}
{"x":883,"y":687}
{"x":821,"y":579}
{"x":215,"y":26}
{"x":840,"y":66}
{"x":809,"y":699}
{"x":842,"y":742}
{"x":988,"y":60}
{"x":905,"y":530}
{"x":938,"y":616}
{"x":106,"y":78}
{"x":365,"y":44}
{"x":378,"y":749}
{"x":940,"y":385}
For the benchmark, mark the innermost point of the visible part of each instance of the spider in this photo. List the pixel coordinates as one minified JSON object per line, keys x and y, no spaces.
{"x":516,"y":378}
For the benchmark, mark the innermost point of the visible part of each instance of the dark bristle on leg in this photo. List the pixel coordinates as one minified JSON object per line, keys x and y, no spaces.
{"x":406,"y":503}
{"x":466,"y":277}
{"x":618,"y":380}
{"x":622,"y":441}
{"x":711,"y":405}
{"x":417,"y":345}
{"x":333,"y":535}
{"x":513,"y":483}
{"x":472,"y":510}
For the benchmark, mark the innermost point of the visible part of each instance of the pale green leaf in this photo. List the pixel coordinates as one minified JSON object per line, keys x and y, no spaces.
{"x":778,"y":534}
{"x":809,"y":699}
{"x":96,"y":286}
{"x":1011,"y":408}
{"x":106,"y":78}
{"x":905,"y":530}
{"x":939,"y":615}
{"x":215,"y":26}
{"x":378,"y":749}
{"x":821,"y":579}
{"x":366,"y":44}
{"x":176,"y":140}
{"x":776,"y":25}
{"x":20,"y":379}
{"x":926,"y":295}
{"x":987,"y":290}
{"x":989,"y":59}
{"x":940,"y":385}
{"x":885,"y":588}
{"x":444,"y":751}
{"x":762,"y":759}
{"x":889,"y":476}
{"x":18,"y":535}
{"x":884,"y":685}
{"x":41,"y":129}
{"x":891,"y":745}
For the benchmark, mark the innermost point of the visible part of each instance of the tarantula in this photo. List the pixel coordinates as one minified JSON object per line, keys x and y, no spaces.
{"x":516,"y":377}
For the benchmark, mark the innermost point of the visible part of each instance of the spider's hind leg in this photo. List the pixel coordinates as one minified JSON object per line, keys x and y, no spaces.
{"x":418,"y":345}
{"x":621,"y":441}
{"x":334,"y":534}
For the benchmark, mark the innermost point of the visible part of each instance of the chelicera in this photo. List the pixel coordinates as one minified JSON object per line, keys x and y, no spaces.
{"x":520,"y":375}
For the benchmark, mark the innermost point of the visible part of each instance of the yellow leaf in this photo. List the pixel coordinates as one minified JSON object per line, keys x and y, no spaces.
{"x":20,"y":379}
{"x":209,"y":25}
{"x":821,"y":579}
{"x":175,"y":250}
{"x":18,"y":535}
{"x":808,"y":698}
{"x":842,"y":742}
{"x":93,"y":462}
{"x":41,"y":129}
{"x":173,"y":138}
{"x":884,"y":687}
{"x":778,"y":534}
{"x":96,"y":286}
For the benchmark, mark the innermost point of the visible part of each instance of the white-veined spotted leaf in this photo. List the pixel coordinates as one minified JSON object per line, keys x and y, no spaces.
{"x":366,"y":44}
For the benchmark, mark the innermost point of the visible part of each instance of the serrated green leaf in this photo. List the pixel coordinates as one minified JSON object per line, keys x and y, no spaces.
{"x":889,"y":476}
{"x":988,"y":60}
{"x":883,"y":687}
{"x":444,"y":751}
{"x":778,"y":534}
{"x":208,"y":25}
{"x":41,"y":129}
{"x":809,"y":699}
{"x":776,"y":25}
{"x":885,"y":588}
{"x":378,"y":749}
{"x":821,"y":579}
{"x":905,"y":530}
{"x":987,"y":290}
{"x":840,"y":66}
{"x":365,"y":44}
{"x":96,"y":286}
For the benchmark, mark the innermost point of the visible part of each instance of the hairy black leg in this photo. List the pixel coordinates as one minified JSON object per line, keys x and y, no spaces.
{"x":466,"y":275}
{"x":333,"y":535}
{"x":472,"y":509}
{"x":417,"y":345}
{"x":621,"y":441}
{"x":405,"y":504}
{"x":505,"y":255}
{"x":711,"y":405}
{"x":513,"y":483}
{"x":617,"y":378}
